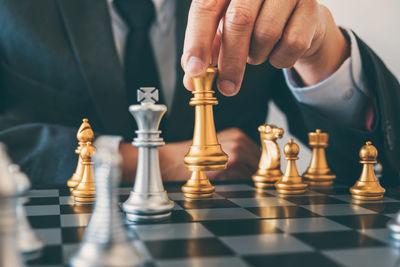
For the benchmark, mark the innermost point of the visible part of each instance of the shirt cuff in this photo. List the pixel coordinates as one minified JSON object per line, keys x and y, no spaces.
{"x":341,"y":97}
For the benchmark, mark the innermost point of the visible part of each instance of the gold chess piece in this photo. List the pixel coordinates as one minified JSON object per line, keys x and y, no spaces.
{"x":367,"y":187}
{"x":318,"y":173}
{"x":85,"y":134}
{"x":291,"y":182}
{"x":85,"y":191}
{"x":205,"y":153}
{"x":269,"y":167}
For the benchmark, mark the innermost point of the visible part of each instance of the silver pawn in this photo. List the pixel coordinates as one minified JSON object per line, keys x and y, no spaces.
{"x":105,"y":242}
{"x":9,"y":253}
{"x":148,"y":201}
{"x":28,"y":242}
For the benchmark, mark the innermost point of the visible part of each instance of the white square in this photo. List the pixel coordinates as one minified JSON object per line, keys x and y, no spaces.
{"x":338,"y":209}
{"x":220,"y":214}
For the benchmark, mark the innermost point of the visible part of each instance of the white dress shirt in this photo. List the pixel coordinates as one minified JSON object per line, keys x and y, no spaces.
{"x":341,"y":97}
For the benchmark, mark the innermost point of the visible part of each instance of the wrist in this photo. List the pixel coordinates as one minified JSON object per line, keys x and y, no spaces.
{"x":332,"y":51}
{"x":129,"y":161}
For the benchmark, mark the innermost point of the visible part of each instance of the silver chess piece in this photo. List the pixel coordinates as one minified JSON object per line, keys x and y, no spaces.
{"x":10,"y":254}
{"x":28,"y":242}
{"x":394,"y":227}
{"x":106,"y":242}
{"x":148,"y":201}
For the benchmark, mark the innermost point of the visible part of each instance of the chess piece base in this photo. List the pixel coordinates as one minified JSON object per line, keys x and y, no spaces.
{"x":290,"y":189}
{"x":93,"y":255}
{"x":266,"y":178}
{"x":84,"y":193}
{"x":148,"y":207}
{"x":319,"y":180}
{"x":367,"y":191}
{"x":198,"y":186}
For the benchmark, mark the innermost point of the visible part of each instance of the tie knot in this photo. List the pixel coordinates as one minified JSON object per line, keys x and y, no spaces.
{"x":138,"y":14}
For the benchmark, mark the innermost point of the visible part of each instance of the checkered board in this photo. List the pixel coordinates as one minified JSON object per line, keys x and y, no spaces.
{"x":239,"y":226}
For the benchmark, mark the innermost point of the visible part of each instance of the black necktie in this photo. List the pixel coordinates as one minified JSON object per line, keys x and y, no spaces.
{"x":140,"y":67}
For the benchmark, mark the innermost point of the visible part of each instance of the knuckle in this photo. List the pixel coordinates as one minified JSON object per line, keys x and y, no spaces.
{"x":296,"y":44}
{"x":267,"y":35}
{"x":280,"y":64}
{"x":238,"y":18}
{"x":205,"y":6}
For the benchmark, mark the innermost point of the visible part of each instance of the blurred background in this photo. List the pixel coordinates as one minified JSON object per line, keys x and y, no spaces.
{"x":378,"y":24}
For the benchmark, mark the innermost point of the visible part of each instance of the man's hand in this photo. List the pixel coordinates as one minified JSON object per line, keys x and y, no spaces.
{"x":243,"y":154}
{"x":299,"y":33}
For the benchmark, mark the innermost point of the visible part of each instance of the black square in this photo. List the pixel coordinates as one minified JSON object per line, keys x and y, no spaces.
{"x":76,"y":209}
{"x":245,"y":194}
{"x":312,"y":200}
{"x":49,"y":255}
{"x":282,"y":212}
{"x":366,"y":221}
{"x":382,"y":207}
{"x":337,"y":240}
{"x":332,"y":190}
{"x":123,"y":198}
{"x":64,"y":191}
{"x":185,"y":248}
{"x":289,"y":260}
{"x":240,"y":227}
{"x":206,"y":203}
{"x":179,"y":216}
{"x":34,"y":201}
{"x":48,"y":221}
{"x":72,"y":235}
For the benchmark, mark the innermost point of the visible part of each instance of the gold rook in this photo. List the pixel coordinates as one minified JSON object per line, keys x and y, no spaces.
{"x":318,"y":173}
{"x":205,"y":153}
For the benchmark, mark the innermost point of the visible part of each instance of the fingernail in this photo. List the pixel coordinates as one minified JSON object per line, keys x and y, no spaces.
{"x":227,"y":87}
{"x":195,"y":66}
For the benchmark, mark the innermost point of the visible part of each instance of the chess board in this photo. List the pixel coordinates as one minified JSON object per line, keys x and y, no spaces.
{"x":239,"y":226}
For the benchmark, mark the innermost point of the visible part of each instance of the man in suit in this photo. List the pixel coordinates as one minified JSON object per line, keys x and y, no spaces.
{"x":62,"y":60}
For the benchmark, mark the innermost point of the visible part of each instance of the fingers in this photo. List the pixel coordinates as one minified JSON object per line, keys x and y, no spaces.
{"x":203,"y":20}
{"x":298,"y":35}
{"x":238,"y":26}
{"x":268,"y":28}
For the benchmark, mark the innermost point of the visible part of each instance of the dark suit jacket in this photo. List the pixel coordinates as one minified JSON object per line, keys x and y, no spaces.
{"x":58,"y":64}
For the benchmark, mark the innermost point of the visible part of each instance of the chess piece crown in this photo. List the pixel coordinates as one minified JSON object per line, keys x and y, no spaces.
{"x":291,"y":182}
{"x":318,"y":173}
{"x":367,"y":186}
{"x":205,"y":153}
{"x":148,"y":201}
{"x":269,"y":167}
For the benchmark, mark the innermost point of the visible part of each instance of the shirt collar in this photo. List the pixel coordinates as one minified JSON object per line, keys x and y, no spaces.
{"x":157,"y":4}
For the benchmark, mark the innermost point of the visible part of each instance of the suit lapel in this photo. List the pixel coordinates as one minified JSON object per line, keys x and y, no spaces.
{"x":180,"y":126}
{"x":89,"y":29}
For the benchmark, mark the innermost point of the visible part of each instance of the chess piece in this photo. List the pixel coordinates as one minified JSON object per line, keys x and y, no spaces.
{"x":106,"y":242}
{"x":205,"y":153}
{"x":367,"y":187}
{"x":394,"y":227}
{"x":9,"y":252}
{"x":29,"y":244}
{"x":291,"y":182}
{"x":85,"y":134}
{"x":269,"y":167}
{"x":318,"y":173}
{"x":148,"y":201}
{"x":85,"y":191}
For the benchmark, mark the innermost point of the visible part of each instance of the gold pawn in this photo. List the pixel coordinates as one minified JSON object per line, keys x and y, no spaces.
{"x":291,"y":182}
{"x":85,"y":134}
{"x":85,"y":191}
{"x":367,"y":187}
{"x":205,"y":153}
{"x":269,"y":167}
{"x":318,"y":173}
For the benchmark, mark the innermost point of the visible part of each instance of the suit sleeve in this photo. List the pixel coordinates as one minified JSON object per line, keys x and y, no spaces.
{"x":345,"y":142}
